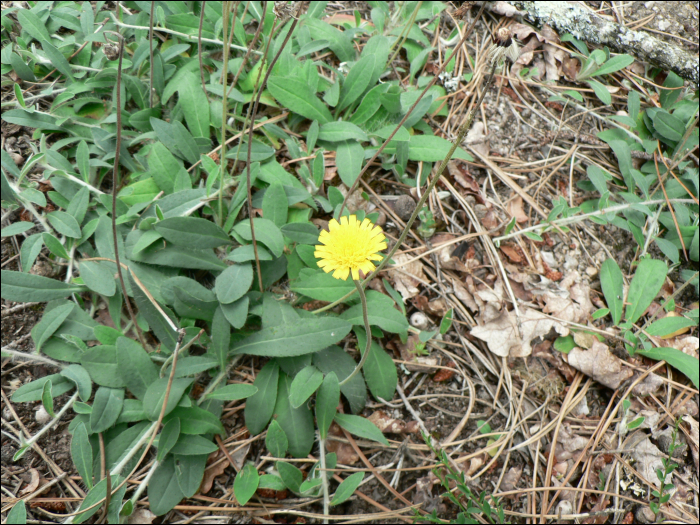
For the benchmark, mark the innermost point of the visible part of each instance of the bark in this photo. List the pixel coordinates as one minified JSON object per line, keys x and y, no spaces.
{"x":569,"y":17}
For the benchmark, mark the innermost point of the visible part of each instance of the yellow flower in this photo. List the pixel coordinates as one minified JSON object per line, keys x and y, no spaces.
{"x":349,"y":246}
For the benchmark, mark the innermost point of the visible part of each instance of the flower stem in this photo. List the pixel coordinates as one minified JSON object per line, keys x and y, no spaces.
{"x":365,"y":318}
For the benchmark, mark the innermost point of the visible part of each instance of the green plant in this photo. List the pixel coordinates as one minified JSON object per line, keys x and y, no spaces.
{"x":456,"y":490}
{"x":669,"y":466}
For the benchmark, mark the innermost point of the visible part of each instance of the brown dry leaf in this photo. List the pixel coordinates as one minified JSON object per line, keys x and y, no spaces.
{"x":501,"y":334}
{"x":477,"y":139}
{"x":213,"y":471}
{"x":510,"y":480}
{"x":406,"y":281}
{"x":569,"y":300}
{"x":344,"y":451}
{"x":648,"y":458}
{"x":462,"y":177}
{"x":649,"y":385}
{"x":355,"y":201}
{"x":386,"y":423}
{"x":694,"y":440}
{"x":445,"y":253}
{"x":33,"y":484}
{"x":505,"y":9}
{"x":513,"y":253}
{"x":515,"y":209}
{"x":141,"y":516}
{"x":437,"y":307}
{"x":600,"y":364}
{"x":463,"y":295}
{"x":445,"y":374}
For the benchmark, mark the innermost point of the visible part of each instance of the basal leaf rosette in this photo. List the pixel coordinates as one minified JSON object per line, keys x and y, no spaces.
{"x":350,"y":246}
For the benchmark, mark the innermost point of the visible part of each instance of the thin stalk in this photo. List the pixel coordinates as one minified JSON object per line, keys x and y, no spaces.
{"x":224,"y":100}
{"x":199,"y":52}
{"x":150,"y":50}
{"x":368,"y":346}
{"x":115,"y":185}
{"x":324,"y":479}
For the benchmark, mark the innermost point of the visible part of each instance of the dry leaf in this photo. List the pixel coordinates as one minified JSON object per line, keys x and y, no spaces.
{"x":477,"y":140}
{"x":648,"y":458}
{"x":510,"y":480}
{"x":505,"y":9}
{"x":463,"y":295}
{"x":386,"y":423}
{"x":407,"y":280}
{"x":600,"y":364}
{"x":515,"y":209}
{"x":141,"y":516}
{"x":514,"y":253}
{"x":213,"y":471}
{"x":344,"y":451}
{"x":501,"y":334}
{"x":33,"y":484}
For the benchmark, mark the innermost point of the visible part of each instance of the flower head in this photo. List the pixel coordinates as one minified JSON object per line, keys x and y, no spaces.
{"x":349,"y":246}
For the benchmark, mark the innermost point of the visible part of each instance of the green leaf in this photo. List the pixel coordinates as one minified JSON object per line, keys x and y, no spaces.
{"x":684,"y":363}
{"x":430,"y":148}
{"x":647,"y":281}
{"x":260,"y":406}
{"x":600,"y":91}
{"x":291,"y":476}
{"x":168,"y":437}
{"x":303,"y":337}
{"x":611,"y":284}
{"x":163,"y":489}
{"x":155,"y":395}
{"x":18,"y":513}
{"x":615,"y":63}
{"x":321,"y":286}
{"x":600,"y":313}
{"x":220,"y":338}
{"x":274,"y":204}
{"x":361,"y":427}
{"x":276,"y":440}
{"x":106,"y":407}
{"x":31,"y":247}
{"x":58,"y":61}
{"x":340,"y":131}
{"x":47,"y":399}
{"x":195,"y":420}
{"x":347,"y":488}
{"x":371,"y":102}
{"x":236,"y":313}
{"x":379,"y":369}
{"x":233,"y":392}
{"x":54,"y":246}
{"x":81,"y":378}
{"x":49,"y":323}
{"x":81,"y":454}
{"x":356,"y":82}
{"x":446,"y":322}
{"x":194,"y":104}
{"x":668,"y":126}
{"x":97,"y":494}
{"x":305,"y":383}
{"x":334,"y":359}
{"x":97,"y":276}
{"x":23,"y":117}
{"x":266,"y":232}
{"x":233,"y":283}
{"x":34,"y":390}
{"x":297,"y":423}
{"x":668,"y":325}
{"x":64,"y":223}
{"x":296,"y":95}
{"x":192,"y":232}
{"x":301,"y":232}
{"x":271,"y":481}
{"x":135,"y":367}
{"x":33,"y":25}
{"x":349,"y":157}
{"x":101,"y":364}
{"x":193,"y":445}
{"x":246,"y":483}
{"x":17,"y":228}
{"x":327,"y":400}
{"x":163,"y":167}
{"x":186,"y":146}
{"x":381,"y":313}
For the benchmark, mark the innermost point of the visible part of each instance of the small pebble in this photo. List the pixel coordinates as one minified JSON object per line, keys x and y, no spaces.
{"x":42,"y":416}
{"x":404,"y":207}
